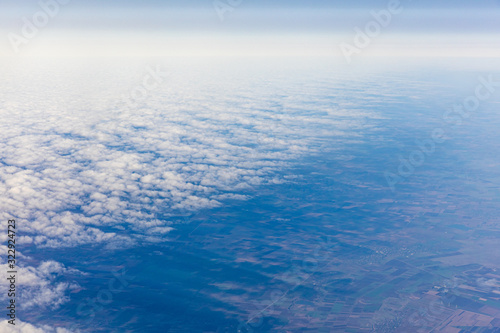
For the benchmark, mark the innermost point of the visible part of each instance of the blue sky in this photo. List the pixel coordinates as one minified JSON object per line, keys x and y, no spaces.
{"x":260,"y":27}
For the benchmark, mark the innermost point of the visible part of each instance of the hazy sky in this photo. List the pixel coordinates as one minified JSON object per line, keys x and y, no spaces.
{"x":250,"y":27}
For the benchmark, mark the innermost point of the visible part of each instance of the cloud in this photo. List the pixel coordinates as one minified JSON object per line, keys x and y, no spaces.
{"x":76,"y":158}
{"x":41,"y":286}
{"x":23,"y":327}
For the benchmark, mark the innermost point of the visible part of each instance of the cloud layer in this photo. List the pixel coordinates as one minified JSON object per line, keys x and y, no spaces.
{"x":40,"y":286}
{"x":22,"y":327}
{"x":84,"y":158}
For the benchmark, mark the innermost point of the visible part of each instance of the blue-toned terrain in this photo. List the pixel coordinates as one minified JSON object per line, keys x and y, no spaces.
{"x":255,"y":196}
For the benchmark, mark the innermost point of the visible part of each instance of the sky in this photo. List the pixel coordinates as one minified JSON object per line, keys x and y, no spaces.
{"x":250,"y":28}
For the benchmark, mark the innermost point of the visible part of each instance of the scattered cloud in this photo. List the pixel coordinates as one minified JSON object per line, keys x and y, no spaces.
{"x":76,"y":160}
{"x":23,"y":327}
{"x":43,"y":286}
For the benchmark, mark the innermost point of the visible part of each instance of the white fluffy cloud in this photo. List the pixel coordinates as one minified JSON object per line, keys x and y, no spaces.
{"x":76,"y":158}
{"x":23,"y":327}
{"x":79,"y":165}
{"x":39,"y":286}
